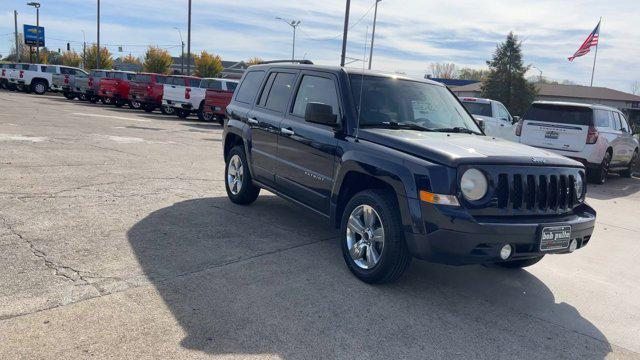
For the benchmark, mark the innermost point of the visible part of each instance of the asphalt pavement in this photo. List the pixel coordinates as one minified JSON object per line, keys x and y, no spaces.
{"x":117,"y":241}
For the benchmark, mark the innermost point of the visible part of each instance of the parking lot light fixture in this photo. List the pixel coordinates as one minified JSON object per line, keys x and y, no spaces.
{"x":294,"y":24}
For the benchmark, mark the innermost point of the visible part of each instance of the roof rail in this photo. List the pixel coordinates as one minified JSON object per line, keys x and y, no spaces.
{"x":306,"y":62}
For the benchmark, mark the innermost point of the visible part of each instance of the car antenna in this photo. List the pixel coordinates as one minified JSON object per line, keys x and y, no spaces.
{"x":364,"y":59}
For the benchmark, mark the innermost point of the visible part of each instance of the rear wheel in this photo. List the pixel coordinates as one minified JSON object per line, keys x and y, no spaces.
{"x":135,"y":104}
{"x":39,"y":87}
{"x":93,"y":99}
{"x":69,"y":95}
{"x":106,"y":100}
{"x":118,"y":102}
{"x":204,"y":116}
{"x":628,"y":172}
{"x":167,"y":110}
{"x":599,"y":175}
{"x":82,"y":97}
{"x":518,"y":264}
{"x":239,"y":186}
{"x":373,"y":244}
{"x":182,"y":113}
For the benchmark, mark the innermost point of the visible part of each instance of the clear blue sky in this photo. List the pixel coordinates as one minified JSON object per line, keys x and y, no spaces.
{"x":410,"y":35}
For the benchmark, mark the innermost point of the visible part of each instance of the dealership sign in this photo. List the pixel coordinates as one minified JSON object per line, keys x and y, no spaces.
{"x":33,"y":35}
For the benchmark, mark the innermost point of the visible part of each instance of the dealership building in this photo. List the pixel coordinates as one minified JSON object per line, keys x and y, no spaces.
{"x":628,"y":103}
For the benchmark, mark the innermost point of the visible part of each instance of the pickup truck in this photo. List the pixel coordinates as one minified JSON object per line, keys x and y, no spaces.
{"x":89,"y":86}
{"x":5,"y":69}
{"x":114,"y":88}
{"x":179,"y":94}
{"x":216,"y":100}
{"x":147,"y":89}
{"x":33,"y":77}
{"x":401,"y":169}
{"x":65,"y":81}
{"x":494,"y":117}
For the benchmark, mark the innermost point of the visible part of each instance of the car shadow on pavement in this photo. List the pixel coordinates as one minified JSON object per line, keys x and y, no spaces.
{"x":615,"y":187}
{"x":269,"y":279}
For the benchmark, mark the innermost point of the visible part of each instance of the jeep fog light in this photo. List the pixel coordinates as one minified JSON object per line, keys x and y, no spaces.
{"x":439,"y":199}
{"x":474,"y":185}
{"x":505,"y":252}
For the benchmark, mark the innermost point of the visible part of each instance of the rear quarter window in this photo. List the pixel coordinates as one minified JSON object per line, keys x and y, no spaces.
{"x":560,"y":114}
{"x":249,"y":86}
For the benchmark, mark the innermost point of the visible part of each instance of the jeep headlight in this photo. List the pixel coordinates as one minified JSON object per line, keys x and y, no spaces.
{"x":474,"y":185}
{"x":579,"y":187}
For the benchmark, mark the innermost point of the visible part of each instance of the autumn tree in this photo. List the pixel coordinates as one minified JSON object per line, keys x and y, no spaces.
{"x":471,"y":74}
{"x":106,"y":59}
{"x":130,"y":59}
{"x":254,"y":61}
{"x":208,"y":65}
{"x":506,"y":80}
{"x":157,"y":60}
{"x":71,"y":58}
{"x":443,"y":70}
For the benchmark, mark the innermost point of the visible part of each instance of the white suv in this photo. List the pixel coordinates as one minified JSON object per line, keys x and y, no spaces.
{"x":493,"y":116}
{"x":596,"y":135}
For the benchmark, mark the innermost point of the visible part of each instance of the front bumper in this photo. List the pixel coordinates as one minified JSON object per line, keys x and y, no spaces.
{"x":461,"y":240}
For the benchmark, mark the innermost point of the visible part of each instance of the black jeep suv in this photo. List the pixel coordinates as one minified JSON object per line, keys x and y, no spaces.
{"x":401,"y":168}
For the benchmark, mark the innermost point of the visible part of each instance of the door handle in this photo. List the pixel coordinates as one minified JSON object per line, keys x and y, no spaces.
{"x":253,"y":121}
{"x":288,"y":132}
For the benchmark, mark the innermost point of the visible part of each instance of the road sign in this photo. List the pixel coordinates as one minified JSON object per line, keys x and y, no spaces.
{"x":33,"y":35}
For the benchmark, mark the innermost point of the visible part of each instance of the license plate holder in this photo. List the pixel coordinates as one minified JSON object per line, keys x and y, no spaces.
{"x":555,"y":237}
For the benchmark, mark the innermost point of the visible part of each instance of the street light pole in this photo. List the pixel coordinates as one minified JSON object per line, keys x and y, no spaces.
{"x":294,"y":24}
{"x":537,"y":68}
{"x":344,"y":36}
{"x":181,"y":54}
{"x":15,"y":19}
{"x":98,"y":52}
{"x":373,"y":35}
{"x":189,"y":43}
{"x":37,"y":6}
{"x":84,"y":50}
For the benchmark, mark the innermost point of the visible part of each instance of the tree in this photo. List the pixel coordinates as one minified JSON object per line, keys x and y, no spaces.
{"x":71,"y":58}
{"x":443,"y":70}
{"x":635,"y":88}
{"x":130,"y":59}
{"x":471,"y":74}
{"x":106,"y":59}
{"x":254,"y":61}
{"x":208,"y":65}
{"x":157,"y":60}
{"x":505,"y":81}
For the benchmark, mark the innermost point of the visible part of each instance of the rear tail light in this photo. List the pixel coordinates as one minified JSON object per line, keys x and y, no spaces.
{"x":66,"y":79}
{"x":4,"y":72}
{"x":519,"y":128}
{"x":187,"y":93}
{"x":592,"y":135}
{"x":90,"y":82}
{"x":21,"y":74}
{"x":149,"y":89}
{"x":117,"y":83}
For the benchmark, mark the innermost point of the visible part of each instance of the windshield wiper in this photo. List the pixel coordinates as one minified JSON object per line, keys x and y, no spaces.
{"x":458,"y":129}
{"x":397,"y":125}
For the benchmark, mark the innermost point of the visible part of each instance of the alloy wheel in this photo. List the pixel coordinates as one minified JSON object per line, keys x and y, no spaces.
{"x":235,"y":174}
{"x":365,"y":236}
{"x":604,"y":171}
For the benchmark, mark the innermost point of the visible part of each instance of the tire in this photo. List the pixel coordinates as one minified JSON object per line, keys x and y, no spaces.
{"x":182,"y":113}
{"x":82,"y":97}
{"x":519,"y":264}
{"x":135,"y":105}
{"x":148,"y":108}
{"x":599,"y":175}
{"x":204,"y":116}
{"x":167,"y":110}
{"x":39,"y":87}
{"x":359,"y":248}
{"x":118,"y":103}
{"x":238,"y":182}
{"x":69,"y":95}
{"x":93,"y":99}
{"x":106,"y":100}
{"x":12,"y":87}
{"x":628,"y":172}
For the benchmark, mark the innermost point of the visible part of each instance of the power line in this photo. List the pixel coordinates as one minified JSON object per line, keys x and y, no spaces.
{"x":350,"y":27}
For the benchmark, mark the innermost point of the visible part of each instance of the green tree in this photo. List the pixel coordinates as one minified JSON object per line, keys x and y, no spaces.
{"x":157,"y":60}
{"x":505,"y":81}
{"x":208,"y":65}
{"x":71,"y":58}
{"x":106,"y":59}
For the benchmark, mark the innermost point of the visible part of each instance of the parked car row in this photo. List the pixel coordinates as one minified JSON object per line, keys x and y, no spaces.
{"x":172,"y":94}
{"x":597,"y":136}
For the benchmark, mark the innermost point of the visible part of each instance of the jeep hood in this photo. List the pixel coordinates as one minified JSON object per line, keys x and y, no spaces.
{"x":455,"y":149}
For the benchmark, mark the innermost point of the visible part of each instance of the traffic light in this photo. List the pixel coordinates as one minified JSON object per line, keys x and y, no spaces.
{"x":68,"y":47}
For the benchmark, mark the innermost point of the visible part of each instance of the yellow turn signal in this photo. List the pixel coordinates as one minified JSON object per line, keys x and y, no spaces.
{"x":438,"y":199}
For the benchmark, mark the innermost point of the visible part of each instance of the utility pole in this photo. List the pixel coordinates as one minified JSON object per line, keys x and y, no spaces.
{"x":98,"y":52}
{"x":373,"y":35}
{"x":346,"y":30}
{"x":294,"y":24}
{"x":181,"y":54}
{"x":15,"y":20}
{"x":84,"y":50}
{"x":189,"y":42}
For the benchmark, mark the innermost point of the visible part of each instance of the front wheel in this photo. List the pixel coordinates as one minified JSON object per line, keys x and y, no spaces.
{"x":519,"y":264}
{"x":238,"y":183}
{"x":39,"y":87}
{"x":599,"y":176}
{"x":93,"y":99}
{"x":182,"y":113}
{"x":373,"y":244}
{"x":148,"y":108}
{"x":119,"y":102}
{"x":69,"y":95}
{"x":628,"y":172}
{"x":135,"y":104}
{"x":82,"y":97}
{"x":106,"y":100}
{"x":204,"y":116}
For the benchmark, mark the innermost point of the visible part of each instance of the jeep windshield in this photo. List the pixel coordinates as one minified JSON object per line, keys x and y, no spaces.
{"x":406,"y":104}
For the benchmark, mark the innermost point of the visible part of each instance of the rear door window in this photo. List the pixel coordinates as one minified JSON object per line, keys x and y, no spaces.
{"x":280,"y":92}
{"x":560,"y":114}
{"x":212,"y":84}
{"x":479,"y":109}
{"x":249,"y":87}
{"x":617,"y":125}
{"x":161,"y":79}
{"x":624,"y":123}
{"x":143,"y":78}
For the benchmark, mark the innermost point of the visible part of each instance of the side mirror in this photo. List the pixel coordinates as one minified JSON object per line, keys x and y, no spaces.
{"x":516,"y":119}
{"x":320,"y":114}
{"x":480,"y":123}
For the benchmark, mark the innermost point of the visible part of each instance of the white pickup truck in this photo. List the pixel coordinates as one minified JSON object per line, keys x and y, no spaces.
{"x":5,"y":69}
{"x":188,"y":99}
{"x":33,"y":77}
{"x":64,"y":82}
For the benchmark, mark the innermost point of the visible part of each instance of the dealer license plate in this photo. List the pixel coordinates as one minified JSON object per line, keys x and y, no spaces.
{"x":555,"y":238}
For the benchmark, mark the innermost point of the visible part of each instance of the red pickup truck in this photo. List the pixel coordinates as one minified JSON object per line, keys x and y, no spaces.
{"x":216,"y":100}
{"x":114,"y":89}
{"x":146,"y":89}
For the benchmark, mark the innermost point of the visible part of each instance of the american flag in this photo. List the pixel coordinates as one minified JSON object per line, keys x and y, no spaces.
{"x":592,"y":40}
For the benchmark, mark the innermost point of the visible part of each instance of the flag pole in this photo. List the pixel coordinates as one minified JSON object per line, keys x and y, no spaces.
{"x":596,"y":54}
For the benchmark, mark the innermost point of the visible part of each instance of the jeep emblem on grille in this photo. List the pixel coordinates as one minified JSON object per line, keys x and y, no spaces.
{"x":538,"y":160}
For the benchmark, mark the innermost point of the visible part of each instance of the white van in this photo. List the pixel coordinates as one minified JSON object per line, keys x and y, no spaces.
{"x":596,"y":135}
